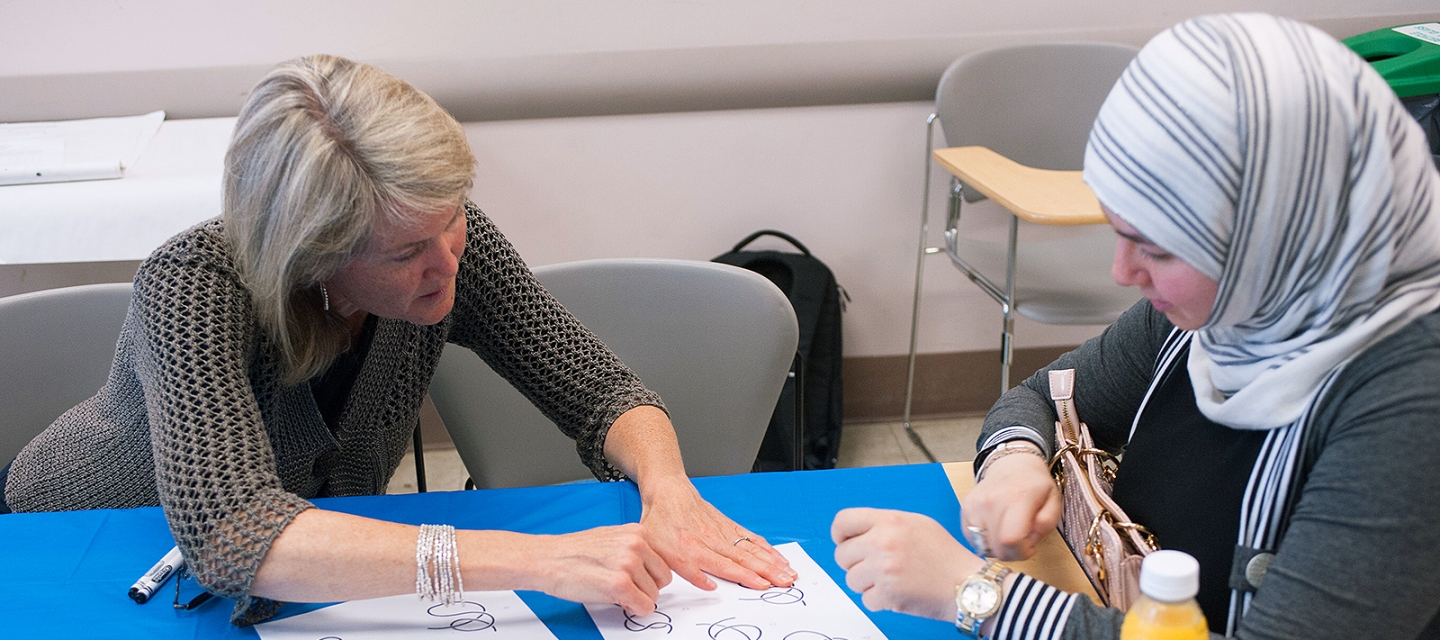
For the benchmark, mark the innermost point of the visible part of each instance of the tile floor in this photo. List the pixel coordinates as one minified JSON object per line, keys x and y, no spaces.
{"x":861,"y":445}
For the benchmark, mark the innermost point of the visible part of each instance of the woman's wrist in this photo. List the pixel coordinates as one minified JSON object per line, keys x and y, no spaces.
{"x":674,"y":489}
{"x":987,"y":630}
{"x":501,"y":560}
{"x":641,"y":443}
{"x":1008,"y":448}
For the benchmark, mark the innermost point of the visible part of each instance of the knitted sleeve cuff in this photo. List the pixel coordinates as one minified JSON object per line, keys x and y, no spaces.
{"x":225,"y":560}
{"x":592,"y":450}
{"x":1015,"y":432}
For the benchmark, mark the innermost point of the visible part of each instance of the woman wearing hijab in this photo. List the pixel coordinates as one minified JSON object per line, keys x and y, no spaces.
{"x":1277,"y":393}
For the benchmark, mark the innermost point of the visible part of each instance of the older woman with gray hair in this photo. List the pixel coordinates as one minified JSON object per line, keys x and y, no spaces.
{"x":1275,"y":395}
{"x":282,"y":352}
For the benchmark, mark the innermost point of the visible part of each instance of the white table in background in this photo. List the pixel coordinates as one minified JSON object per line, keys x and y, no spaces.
{"x":66,"y":233}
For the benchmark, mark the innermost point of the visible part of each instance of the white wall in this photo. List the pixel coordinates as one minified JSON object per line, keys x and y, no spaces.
{"x":844,"y":178}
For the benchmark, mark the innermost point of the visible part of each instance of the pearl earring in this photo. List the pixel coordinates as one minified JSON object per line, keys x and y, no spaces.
{"x":326,"y":295}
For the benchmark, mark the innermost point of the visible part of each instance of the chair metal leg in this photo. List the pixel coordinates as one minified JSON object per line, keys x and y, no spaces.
{"x":1007,"y":336}
{"x":920,"y":254}
{"x":1004,"y":295}
{"x":797,"y":372}
{"x":419,"y":459}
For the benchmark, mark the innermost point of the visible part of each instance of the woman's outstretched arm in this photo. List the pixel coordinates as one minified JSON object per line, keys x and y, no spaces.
{"x":326,"y":556}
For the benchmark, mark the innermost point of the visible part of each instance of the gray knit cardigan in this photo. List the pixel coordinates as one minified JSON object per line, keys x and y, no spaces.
{"x":194,"y":416}
{"x":1361,"y":555}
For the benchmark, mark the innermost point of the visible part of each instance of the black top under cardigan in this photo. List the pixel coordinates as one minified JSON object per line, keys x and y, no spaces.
{"x":1183,"y":478}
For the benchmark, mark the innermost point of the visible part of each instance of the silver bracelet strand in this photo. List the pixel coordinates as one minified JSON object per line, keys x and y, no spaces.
{"x":422,"y":564}
{"x":437,"y":564}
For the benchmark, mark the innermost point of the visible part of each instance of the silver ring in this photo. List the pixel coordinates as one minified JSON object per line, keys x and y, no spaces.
{"x":976,"y":537}
{"x":739,"y":540}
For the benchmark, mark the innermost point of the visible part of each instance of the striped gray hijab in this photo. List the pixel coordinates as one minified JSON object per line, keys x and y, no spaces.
{"x":1275,"y":161}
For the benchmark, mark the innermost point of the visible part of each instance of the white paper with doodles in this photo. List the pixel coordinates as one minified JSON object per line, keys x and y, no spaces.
{"x":815,"y":608}
{"x":500,"y":614}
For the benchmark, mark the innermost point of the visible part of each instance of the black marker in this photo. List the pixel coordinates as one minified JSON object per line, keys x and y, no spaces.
{"x":149,"y":583}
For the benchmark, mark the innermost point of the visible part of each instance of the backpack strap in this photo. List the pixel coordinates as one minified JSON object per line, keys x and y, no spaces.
{"x":770,"y":232}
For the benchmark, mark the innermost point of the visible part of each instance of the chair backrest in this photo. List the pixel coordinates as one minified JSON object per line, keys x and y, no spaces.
{"x":715,"y":341}
{"x":1032,"y":103}
{"x":56,"y":349}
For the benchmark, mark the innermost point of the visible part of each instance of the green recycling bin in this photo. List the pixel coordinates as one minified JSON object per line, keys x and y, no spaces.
{"x":1408,"y":57}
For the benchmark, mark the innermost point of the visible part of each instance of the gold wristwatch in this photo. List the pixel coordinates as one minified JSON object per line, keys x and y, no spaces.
{"x":979,"y":597}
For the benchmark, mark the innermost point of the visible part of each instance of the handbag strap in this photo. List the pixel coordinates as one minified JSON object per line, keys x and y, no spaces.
{"x":1062,"y":391}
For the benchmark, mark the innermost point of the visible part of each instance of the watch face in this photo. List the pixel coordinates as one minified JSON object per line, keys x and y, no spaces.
{"x":978,"y":598}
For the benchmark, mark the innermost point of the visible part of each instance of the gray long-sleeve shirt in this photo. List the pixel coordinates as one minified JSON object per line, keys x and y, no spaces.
{"x":1361,"y":556}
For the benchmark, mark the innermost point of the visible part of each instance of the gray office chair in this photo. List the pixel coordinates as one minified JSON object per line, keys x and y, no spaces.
{"x":715,"y":341}
{"x":1017,"y":119}
{"x":56,"y":347}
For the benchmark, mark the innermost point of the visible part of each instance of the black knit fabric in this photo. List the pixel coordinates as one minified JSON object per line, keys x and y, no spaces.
{"x":1184,"y":479}
{"x":332,"y":388}
{"x":194,"y":416}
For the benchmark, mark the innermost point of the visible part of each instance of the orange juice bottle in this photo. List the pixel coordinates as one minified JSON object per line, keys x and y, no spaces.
{"x":1167,"y":609}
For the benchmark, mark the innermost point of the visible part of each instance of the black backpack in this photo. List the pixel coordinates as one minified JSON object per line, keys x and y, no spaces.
{"x":816,"y":297}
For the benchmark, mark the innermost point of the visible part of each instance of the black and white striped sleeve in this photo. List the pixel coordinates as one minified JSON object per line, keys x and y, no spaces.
{"x":1034,"y":610}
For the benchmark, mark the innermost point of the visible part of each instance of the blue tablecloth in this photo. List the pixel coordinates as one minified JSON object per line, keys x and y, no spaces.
{"x":65,"y":575}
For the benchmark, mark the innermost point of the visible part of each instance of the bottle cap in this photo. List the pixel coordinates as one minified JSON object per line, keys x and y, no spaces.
{"x":1170,"y":576}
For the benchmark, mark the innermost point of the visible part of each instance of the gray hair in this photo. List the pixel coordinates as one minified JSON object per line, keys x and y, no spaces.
{"x":324,"y":147}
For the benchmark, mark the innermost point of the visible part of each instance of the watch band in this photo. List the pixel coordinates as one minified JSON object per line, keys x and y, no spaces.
{"x":969,"y":623}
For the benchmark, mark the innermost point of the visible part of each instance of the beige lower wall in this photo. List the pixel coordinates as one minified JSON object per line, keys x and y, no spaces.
{"x":946,"y":384}
{"x":24,"y":278}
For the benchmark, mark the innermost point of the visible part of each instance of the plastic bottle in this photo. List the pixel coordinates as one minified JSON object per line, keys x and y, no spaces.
{"x":1167,"y":609}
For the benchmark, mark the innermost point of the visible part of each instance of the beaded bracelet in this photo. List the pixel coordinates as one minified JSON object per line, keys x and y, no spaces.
{"x":437,"y":564}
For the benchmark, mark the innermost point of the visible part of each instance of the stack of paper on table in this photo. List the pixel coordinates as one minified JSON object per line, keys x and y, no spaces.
{"x":815,"y":608}
{"x":502,"y":613}
{"x":94,"y":149}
